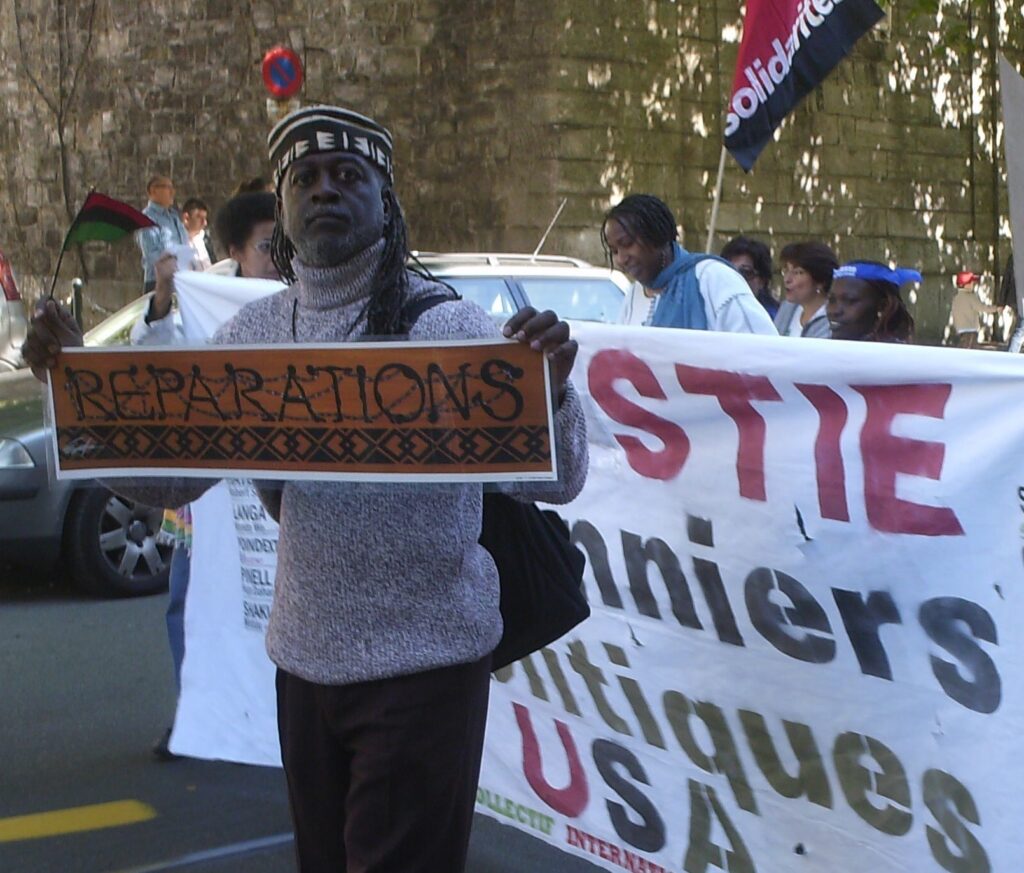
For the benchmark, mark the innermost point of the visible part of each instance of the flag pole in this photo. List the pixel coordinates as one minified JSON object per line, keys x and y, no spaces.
{"x":64,"y":245}
{"x":60,"y":260}
{"x":712,"y":224}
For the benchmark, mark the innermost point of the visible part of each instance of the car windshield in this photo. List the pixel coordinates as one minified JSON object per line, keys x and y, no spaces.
{"x":580,"y":299}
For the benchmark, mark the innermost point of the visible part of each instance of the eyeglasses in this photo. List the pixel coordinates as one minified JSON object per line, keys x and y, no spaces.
{"x":793,"y":271}
{"x":263,"y":246}
{"x":747,"y":272}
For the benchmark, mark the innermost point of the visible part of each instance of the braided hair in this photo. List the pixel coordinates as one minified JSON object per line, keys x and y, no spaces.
{"x":645,"y":217}
{"x":383,"y":310}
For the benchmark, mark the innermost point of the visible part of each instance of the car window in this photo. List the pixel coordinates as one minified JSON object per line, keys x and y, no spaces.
{"x":582,"y":299}
{"x":491,"y":295}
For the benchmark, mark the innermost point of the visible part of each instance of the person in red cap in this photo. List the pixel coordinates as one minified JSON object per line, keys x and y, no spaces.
{"x":966,"y":308}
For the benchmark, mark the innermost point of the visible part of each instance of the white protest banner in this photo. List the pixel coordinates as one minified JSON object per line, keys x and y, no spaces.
{"x":804,"y":562}
{"x":207,"y":300}
{"x":227,"y":708}
{"x":805,"y":566}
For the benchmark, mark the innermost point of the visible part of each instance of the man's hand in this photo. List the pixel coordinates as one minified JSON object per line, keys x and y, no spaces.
{"x":165,"y":268}
{"x":545,"y":333}
{"x":53,"y":328}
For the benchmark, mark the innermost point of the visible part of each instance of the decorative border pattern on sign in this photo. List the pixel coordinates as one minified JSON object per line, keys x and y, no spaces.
{"x":331,"y":447}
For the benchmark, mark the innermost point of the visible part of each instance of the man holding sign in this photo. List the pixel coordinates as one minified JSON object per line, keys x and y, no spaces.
{"x":386,"y":607}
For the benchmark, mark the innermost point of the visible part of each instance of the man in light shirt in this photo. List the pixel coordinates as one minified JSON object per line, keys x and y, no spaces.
{"x":169,"y":233}
{"x":194,"y":216}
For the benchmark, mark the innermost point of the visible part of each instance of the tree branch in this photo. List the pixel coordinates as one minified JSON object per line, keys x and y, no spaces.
{"x":25,"y":66}
{"x":89,"y":30}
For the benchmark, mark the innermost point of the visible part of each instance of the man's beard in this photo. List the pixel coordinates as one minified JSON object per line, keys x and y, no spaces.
{"x":330,"y":251}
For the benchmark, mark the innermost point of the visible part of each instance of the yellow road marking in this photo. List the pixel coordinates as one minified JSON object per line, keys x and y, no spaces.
{"x":74,"y":820}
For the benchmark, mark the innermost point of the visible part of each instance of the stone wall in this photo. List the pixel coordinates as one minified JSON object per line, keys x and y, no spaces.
{"x":500,"y":109}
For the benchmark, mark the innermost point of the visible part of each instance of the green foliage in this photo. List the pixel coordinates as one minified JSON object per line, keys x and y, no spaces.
{"x":953,"y":20}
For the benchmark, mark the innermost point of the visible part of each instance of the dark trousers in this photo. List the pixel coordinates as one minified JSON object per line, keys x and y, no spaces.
{"x":181,"y":564}
{"x":382,"y":775}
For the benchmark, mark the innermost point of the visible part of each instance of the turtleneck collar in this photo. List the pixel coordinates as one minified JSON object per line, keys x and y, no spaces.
{"x":330,"y":287}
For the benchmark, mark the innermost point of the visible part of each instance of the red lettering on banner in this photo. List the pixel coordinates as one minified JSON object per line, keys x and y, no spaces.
{"x":626,"y":859}
{"x":828,"y":461}
{"x":569,"y":801}
{"x":606,"y":367}
{"x":734,"y":392}
{"x":886,"y":455}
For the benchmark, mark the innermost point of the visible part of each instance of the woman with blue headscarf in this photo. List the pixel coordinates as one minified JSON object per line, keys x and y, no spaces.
{"x":680,"y":288}
{"x":864,"y":303}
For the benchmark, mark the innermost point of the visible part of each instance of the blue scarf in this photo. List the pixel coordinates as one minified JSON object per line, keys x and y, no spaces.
{"x":681,"y":303}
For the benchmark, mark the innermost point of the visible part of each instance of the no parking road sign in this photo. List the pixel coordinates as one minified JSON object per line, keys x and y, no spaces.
{"x":282,"y":72}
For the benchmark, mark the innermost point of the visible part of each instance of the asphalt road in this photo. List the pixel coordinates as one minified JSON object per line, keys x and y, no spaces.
{"x":85,"y":690}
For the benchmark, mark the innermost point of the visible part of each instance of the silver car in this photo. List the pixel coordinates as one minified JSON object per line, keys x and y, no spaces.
{"x":110,"y":547}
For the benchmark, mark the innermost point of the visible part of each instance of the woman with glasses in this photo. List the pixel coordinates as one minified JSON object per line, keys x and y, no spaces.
{"x":807,"y":276}
{"x":753,"y":261}
{"x":243,"y":228}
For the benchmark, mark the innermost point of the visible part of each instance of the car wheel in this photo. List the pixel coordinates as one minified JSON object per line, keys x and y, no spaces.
{"x":111,"y":545}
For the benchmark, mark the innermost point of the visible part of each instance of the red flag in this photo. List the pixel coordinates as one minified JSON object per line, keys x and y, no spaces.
{"x":788,"y":48}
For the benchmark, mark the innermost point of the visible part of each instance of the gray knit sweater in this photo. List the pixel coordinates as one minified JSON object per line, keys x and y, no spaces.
{"x":377,"y":579}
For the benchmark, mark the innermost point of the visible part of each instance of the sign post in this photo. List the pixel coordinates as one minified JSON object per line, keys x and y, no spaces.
{"x":282,"y":73}
{"x":283,"y":77}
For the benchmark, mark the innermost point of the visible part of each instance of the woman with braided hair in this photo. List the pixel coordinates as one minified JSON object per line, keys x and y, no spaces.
{"x":864,"y":303}
{"x":680,"y":288}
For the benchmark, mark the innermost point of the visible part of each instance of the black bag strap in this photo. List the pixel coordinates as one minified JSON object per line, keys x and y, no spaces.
{"x":415,"y":308}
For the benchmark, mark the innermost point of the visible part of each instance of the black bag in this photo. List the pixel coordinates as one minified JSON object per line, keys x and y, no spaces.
{"x":540,"y":571}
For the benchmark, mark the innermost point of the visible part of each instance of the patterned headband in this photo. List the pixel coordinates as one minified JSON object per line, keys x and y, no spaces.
{"x":869,"y":272}
{"x":329,"y":129}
